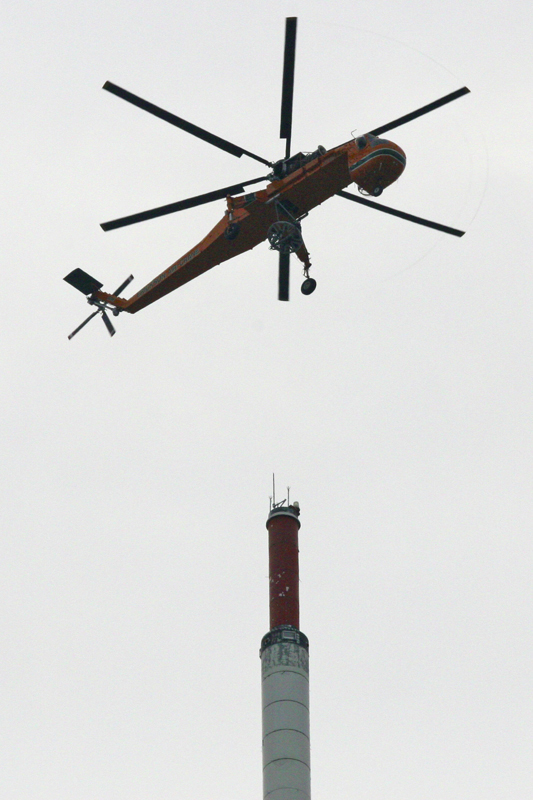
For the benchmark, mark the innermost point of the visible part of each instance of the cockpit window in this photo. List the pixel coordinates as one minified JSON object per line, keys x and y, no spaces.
{"x":361,"y":142}
{"x":375,"y":140}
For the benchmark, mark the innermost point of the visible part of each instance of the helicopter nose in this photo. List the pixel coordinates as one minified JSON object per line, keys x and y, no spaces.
{"x":380,"y":164}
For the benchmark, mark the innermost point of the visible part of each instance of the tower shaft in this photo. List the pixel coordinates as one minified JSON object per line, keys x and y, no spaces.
{"x":285,"y":669}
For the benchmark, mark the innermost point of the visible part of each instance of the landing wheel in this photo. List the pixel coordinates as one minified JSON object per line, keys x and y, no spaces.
{"x":232,"y":231}
{"x":308,"y":286}
{"x":285,"y":237}
{"x":377,"y":191}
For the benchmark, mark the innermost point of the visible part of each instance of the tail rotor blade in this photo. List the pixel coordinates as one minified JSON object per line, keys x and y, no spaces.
{"x":123,"y":286}
{"x":108,"y":324}
{"x":83,"y":324}
{"x":283,"y":277}
{"x":288,"y":83}
{"x":419,"y":112}
{"x":402,"y":214}
{"x":223,"y":144}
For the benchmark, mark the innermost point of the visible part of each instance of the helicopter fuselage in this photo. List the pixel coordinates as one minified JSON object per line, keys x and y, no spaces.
{"x":371,"y":163}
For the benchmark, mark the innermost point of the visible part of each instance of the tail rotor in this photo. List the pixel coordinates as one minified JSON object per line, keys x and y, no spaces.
{"x":89,"y":286}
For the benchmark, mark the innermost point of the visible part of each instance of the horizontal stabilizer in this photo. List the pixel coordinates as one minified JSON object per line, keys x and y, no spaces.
{"x":83,"y":282}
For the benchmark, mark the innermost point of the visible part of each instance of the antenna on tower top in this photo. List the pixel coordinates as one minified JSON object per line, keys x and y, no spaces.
{"x":273,"y":503}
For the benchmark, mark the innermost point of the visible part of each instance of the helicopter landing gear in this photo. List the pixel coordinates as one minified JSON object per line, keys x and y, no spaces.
{"x":376,"y":191}
{"x":232,"y":231}
{"x":286,"y":237}
{"x":308,"y":286}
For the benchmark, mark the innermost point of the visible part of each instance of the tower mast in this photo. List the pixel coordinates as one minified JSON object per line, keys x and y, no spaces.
{"x":285,"y":667}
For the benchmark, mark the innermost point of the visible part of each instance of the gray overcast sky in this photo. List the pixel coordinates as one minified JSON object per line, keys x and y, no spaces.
{"x":396,"y":402}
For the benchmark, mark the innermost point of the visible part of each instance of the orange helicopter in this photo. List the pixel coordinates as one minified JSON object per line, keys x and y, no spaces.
{"x":295,"y":185}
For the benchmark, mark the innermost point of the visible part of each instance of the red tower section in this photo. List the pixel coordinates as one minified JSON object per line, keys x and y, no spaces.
{"x":284,"y":578}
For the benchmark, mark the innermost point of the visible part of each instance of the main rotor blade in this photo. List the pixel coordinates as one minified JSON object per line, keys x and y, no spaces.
{"x":191,"y":202}
{"x":283,"y":276}
{"x":288,"y":83}
{"x":83,"y":324}
{"x":182,"y":123}
{"x":123,"y":286}
{"x":108,"y":324}
{"x":424,"y":110}
{"x":410,"y":217}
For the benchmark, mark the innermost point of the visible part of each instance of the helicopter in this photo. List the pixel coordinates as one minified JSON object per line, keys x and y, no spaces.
{"x":296,"y":184}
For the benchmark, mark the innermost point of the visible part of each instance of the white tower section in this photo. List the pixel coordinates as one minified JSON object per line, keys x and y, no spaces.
{"x":285,"y":695}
